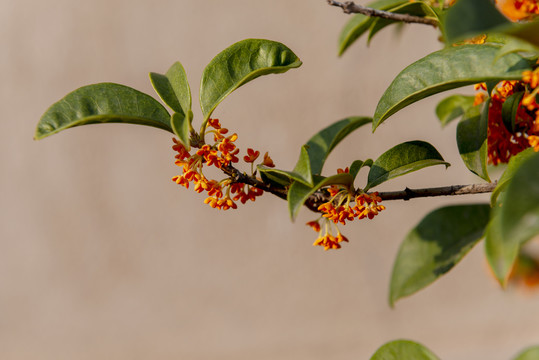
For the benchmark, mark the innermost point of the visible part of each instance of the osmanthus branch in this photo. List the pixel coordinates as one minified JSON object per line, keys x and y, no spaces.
{"x":320,"y":197}
{"x":349,"y":7}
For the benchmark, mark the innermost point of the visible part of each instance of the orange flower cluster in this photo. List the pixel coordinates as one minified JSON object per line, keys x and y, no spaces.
{"x":503,"y":141}
{"x":339,"y":210}
{"x":221,"y":194}
{"x":517,"y":10}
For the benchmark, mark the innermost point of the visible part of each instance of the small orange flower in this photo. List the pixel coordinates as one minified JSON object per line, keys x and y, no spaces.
{"x":533,"y":140}
{"x":268,"y":161}
{"x":251,"y":156}
{"x":315,"y":225}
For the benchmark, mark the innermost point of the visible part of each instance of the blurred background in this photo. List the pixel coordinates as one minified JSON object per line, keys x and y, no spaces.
{"x":102,"y":256}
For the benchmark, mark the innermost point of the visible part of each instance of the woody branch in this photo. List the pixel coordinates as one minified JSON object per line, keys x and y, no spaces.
{"x":349,"y":7}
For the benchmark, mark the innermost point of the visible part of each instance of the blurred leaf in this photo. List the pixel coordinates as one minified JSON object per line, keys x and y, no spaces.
{"x":411,"y":8}
{"x":240,"y":63}
{"x":447,"y":69}
{"x":103,"y":103}
{"x":435,"y":245}
{"x":173,"y":88}
{"x":527,"y":31}
{"x":180,"y":126}
{"x":513,"y":45}
{"x":501,"y":252}
{"x":468,"y":18}
{"x":509,"y":110}
{"x":298,"y":192}
{"x":453,"y":107}
{"x":402,"y":159}
{"x":472,"y":139}
{"x":359,"y":23}
{"x":322,"y":143}
{"x":531,"y":353}
{"x":514,"y":163}
{"x":519,"y":215}
{"x":358,"y":165}
{"x":403,"y":350}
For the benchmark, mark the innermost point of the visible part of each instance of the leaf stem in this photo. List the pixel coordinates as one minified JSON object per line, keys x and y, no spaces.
{"x":349,"y":7}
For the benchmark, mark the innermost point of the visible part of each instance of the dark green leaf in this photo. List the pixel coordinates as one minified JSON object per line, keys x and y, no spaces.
{"x":180,"y":126}
{"x":402,"y":159}
{"x":435,"y":245}
{"x":512,"y":166}
{"x":468,"y":18}
{"x":447,"y":69}
{"x":103,"y":103}
{"x":526,"y":31}
{"x":453,"y":107}
{"x":411,"y":8}
{"x":298,"y":192}
{"x":357,"y":165}
{"x":472,"y":139}
{"x":531,"y":353}
{"x":519,"y":215}
{"x":173,"y":88}
{"x":403,"y":350}
{"x":509,"y":110}
{"x":240,"y":63}
{"x":274,"y":178}
{"x":359,"y":23}
{"x":501,"y":252}
{"x":301,"y":173}
{"x":322,"y":143}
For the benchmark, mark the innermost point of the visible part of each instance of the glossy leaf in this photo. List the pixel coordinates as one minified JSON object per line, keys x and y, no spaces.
{"x":447,"y":69}
{"x":240,"y":63}
{"x":519,"y":215}
{"x":302,"y":171}
{"x":512,"y":166}
{"x":180,"y":126}
{"x":411,"y":8}
{"x":472,"y":140}
{"x":298,"y":192}
{"x":509,"y":110}
{"x":403,"y":350}
{"x":501,"y":252}
{"x":513,"y":45}
{"x":322,"y":143}
{"x":173,"y":88}
{"x":435,"y":246}
{"x":468,"y":18}
{"x":359,"y":23}
{"x":453,"y":107}
{"x":103,"y":103}
{"x":531,"y":353}
{"x":358,"y":165}
{"x":403,"y":159}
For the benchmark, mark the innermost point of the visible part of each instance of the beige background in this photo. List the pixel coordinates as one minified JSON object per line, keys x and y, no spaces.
{"x":102,"y":256}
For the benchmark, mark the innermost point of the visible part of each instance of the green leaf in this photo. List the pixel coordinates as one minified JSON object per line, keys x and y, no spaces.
{"x":531,"y":353}
{"x":298,"y":192}
{"x":514,"y":45}
{"x":411,"y":8}
{"x":301,"y":173}
{"x":468,"y":18}
{"x":519,"y":215}
{"x":180,"y":126}
{"x":403,"y":159}
{"x":240,"y":63}
{"x":173,"y":88}
{"x":103,"y":103}
{"x":357,"y":165}
{"x":472,"y":139}
{"x":501,"y":252}
{"x":527,"y":31}
{"x":447,"y":69}
{"x":323,"y":142}
{"x":435,"y":245}
{"x":514,"y":163}
{"x":403,"y":350}
{"x":359,"y":23}
{"x":453,"y":107}
{"x":509,"y":110}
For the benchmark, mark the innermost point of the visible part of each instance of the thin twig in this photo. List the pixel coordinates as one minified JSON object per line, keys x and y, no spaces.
{"x":349,"y":7}
{"x":320,"y":197}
